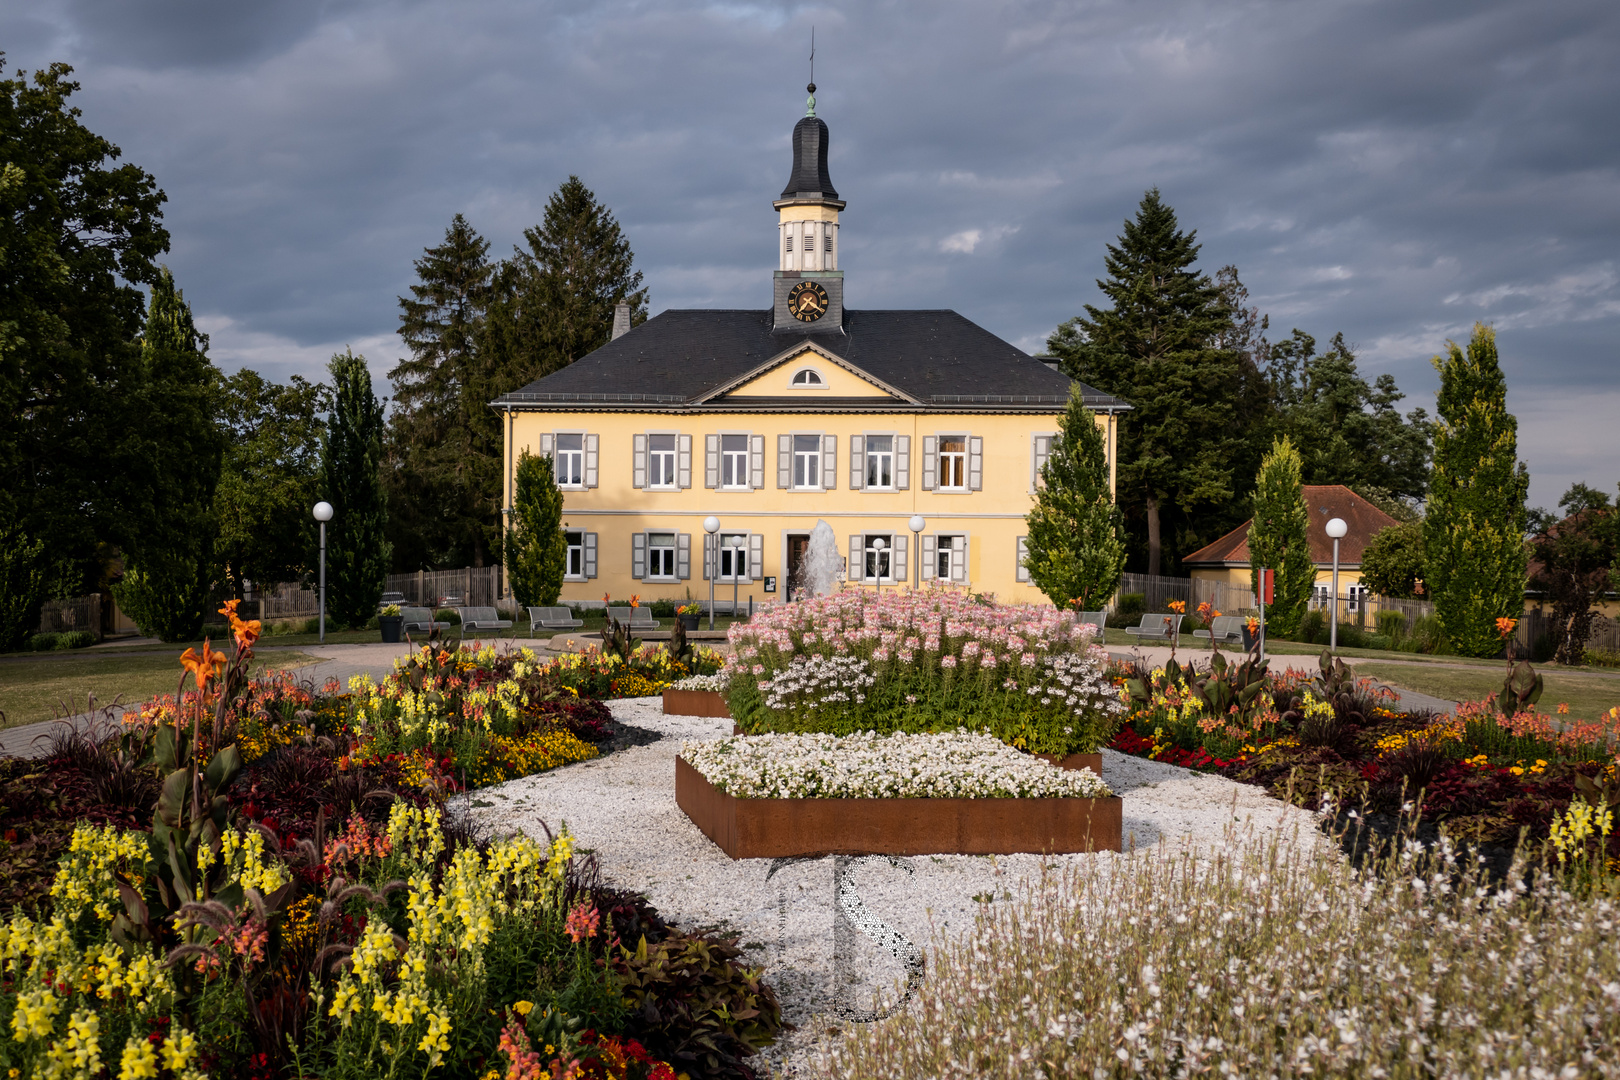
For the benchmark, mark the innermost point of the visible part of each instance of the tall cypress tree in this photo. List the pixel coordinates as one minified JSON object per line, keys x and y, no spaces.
{"x":1473,"y":532}
{"x":357,"y":550}
{"x":169,"y":558}
{"x":1278,"y":539}
{"x":1076,"y":551}
{"x":443,"y":472}
{"x":536,"y":546}
{"x":1164,"y":346}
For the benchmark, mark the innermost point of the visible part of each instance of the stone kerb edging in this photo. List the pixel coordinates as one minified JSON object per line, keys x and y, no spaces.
{"x":784,"y":828}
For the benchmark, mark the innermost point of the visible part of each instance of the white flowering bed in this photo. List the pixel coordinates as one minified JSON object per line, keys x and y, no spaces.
{"x":952,"y":765}
{"x":712,"y":683}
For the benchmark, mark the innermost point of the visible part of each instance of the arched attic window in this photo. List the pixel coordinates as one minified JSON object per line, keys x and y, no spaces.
{"x":808,"y":377}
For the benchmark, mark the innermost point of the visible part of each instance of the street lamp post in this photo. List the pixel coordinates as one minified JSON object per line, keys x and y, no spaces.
{"x":916,"y":524}
{"x":878,"y":545}
{"x":711,"y":525}
{"x":323,"y":514}
{"x":1336,"y":529}
{"x":736,"y":542}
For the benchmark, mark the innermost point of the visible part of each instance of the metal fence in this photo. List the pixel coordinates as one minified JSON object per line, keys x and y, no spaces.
{"x":1159,"y":590}
{"x":64,"y":616}
{"x":473,"y":586}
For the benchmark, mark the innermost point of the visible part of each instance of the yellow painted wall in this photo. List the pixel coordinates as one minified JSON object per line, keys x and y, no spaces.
{"x":992,"y":517}
{"x":837,"y":381}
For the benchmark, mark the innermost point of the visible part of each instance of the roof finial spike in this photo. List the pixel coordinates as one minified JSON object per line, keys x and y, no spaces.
{"x":810,"y":105}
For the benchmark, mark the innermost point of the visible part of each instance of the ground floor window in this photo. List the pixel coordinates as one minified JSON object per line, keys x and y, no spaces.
{"x":879,"y":556}
{"x":574,"y":559}
{"x":661,"y":555}
{"x":733,"y":556}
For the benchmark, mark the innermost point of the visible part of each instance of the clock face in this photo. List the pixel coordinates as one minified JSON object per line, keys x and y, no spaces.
{"x":807,"y":301}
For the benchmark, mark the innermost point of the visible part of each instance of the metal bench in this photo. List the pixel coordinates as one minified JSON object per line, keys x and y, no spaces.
{"x":552,"y":618}
{"x":482,"y":618}
{"x":1099,"y":619}
{"x":639,"y":618}
{"x":1156,"y":627}
{"x":1227,"y":628}
{"x":419,"y":620}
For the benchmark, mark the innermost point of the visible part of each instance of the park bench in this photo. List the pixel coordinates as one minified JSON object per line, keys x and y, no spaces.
{"x":552,"y":618}
{"x":419,"y":620}
{"x":1227,"y":628}
{"x":1099,"y":619}
{"x":482,"y":618}
{"x":1156,"y":627}
{"x":639,"y":618}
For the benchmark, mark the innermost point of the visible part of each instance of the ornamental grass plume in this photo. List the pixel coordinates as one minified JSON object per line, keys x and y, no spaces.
{"x":1266,"y":956}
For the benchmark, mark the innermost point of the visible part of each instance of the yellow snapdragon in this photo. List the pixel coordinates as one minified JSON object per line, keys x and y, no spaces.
{"x":244,"y":856}
{"x":1571,"y":830}
{"x":87,"y":876}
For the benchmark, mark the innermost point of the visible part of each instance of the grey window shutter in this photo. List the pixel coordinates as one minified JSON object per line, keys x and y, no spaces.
{"x":959,"y":558}
{"x":902,"y":463}
{"x":711,"y":461}
{"x":592,"y":442}
{"x":683,"y":460}
{"x":638,"y":468}
{"x":898,"y":565}
{"x":857,"y":562}
{"x":1023,"y":553}
{"x":756,"y":461}
{"x":638,"y":556}
{"x":708,"y":554}
{"x":548,"y":448}
{"x":1037,"y":461}
{"x":683,"y":556}
{"x":930,"y":461}
{"x":829,"y":462}
{"x":930,"y":556}
{"x":784,"y":461}
{"x":756,"y":556}
{"x":590,"y":554}
{"x":975,"y":463}
{"x":857,"y":462}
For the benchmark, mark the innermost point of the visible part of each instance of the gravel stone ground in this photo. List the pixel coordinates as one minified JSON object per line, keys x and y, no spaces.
{"x":828,"y":973}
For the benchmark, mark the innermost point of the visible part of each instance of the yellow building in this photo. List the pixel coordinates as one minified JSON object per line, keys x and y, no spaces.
{"x":771,"y":420}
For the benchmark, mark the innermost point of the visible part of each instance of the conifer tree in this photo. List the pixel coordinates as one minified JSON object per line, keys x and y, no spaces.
{"x":1076,"y":550}
{"x":1165,"y":346}
{"x":357,"y":550}
{"x":536,"y":546}
{"x":1473,"y":532}
{"x":1278,"y":539}
{"x":169,"y":556}
{"x":443,"y":468}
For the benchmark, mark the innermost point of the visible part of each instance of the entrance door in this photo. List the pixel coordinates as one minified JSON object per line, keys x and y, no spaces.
{"x":797,"y":545}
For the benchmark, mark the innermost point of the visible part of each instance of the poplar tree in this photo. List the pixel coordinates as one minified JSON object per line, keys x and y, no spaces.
{"x":1473,"y":532}
{"x":1076,"y":552}
{"x":536,"y":546}
{"x":1278,"y":538}
{"x":1165,"y":345}
{"x":357,"y":550}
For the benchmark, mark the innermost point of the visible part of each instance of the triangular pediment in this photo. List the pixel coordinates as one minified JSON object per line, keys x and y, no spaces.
{"x":806,"y":371}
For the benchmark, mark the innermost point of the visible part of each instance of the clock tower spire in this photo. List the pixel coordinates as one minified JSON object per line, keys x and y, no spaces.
{"x":809,"y":286}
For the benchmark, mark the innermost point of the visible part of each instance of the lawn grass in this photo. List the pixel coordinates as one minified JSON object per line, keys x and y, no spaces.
{"x":35,"y":689}
{"x":1588,"y":696}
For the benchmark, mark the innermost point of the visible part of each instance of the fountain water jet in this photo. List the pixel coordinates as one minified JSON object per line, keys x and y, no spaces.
{"x":821,"y":562}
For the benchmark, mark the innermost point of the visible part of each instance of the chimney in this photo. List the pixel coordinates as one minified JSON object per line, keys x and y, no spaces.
{"x":621,"y":320}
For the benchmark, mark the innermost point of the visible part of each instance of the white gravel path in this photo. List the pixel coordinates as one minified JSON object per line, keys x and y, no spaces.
{"x":622,"y":807}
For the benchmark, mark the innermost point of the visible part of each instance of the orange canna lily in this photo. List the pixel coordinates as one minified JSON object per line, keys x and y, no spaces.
{"x":1178,"y":606}
{"x":635,"y":600}
{"x":206,"y":667}
{"x":246,"y":633}
{"x":1505,"y":628}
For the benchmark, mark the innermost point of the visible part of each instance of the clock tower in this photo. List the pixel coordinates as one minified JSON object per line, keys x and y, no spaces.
{"x":809,"y":285}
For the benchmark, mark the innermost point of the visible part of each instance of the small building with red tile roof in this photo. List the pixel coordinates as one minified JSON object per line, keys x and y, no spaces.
{"x":1227,"y":559}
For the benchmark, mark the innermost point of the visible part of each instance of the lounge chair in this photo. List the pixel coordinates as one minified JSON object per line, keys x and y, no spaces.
{"x":1225,"y":628}
{"x":552,"y":618}
{"x":482,"y":618}
{"x":1156,"y":627}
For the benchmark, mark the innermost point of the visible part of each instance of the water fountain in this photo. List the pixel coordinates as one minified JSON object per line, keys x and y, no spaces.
{"x":821,"y":562}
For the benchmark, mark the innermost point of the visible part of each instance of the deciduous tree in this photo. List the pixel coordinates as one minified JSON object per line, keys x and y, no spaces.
{"x":1574,"y":556}
{"x":357,"y":549}
{"x":1278,"y":539}
{"x":1392,"y":564}
{"x":1474,"y":530}
{"x":536,"y":546}
{"x":1076,"y":550}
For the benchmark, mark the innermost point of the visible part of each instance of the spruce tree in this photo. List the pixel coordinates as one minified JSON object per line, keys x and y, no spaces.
{"x":1165,"y":346}
{"x":1076,"y":550}
{"x":536,"y":546}
{"x":169,"y":558}
{"x":1474,"y":529}
{"x":1278,"y":539}
{"x":443,"y":467}
{"x":357,"y":550}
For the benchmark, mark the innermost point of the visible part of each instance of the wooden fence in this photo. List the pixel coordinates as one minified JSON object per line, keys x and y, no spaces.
{"x":473,"y":586}
{"x":79,"y":613}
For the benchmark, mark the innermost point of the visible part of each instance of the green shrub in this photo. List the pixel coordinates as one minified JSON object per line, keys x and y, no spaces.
{"x":449,"y":615}
{"x":75,"y":639}
{"x":313,"y":626}
{"x":43,"y":642}
{"x":1391,"y":625}
{"x":1130,"y":609}
{"x":1312,"y":628}
{"x":1602,"y":658}
{"x":372,"y":623}
{"x":662,"y":609}
{"x":1429,"y":637}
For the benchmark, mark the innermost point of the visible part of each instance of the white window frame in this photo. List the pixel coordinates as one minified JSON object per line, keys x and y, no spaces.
{"x":870,"y":457}
{"x":671,"y":457}
{"x":810,"y":460}
{"x":950,"y":546}
{"x":941,"y":455}
{"x":744,"y":456}
{"x":725,"y":556}
{"x":807,"y":369}
{"x":557,"y":460}
{"x":574,"y":554}
{"x":1041,"y":444}
{"x":664,"y":554}
{"x":894,"y":557}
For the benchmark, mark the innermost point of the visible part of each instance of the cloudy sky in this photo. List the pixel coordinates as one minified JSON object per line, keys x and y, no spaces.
{"x":1389,"y":168}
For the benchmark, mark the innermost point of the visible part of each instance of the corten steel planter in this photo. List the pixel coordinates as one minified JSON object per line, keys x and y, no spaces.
{"x":1075,"y":761}
{"x":783,"y":828}
{"x":695,"y":703}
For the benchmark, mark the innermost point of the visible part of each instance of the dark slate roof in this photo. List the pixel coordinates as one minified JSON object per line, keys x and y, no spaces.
{"x":810,"y":179}
{"x":683,"y":357}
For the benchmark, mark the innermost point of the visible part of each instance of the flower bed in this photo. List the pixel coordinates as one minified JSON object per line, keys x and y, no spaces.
{"x":769,"y":796}
{"x":593,"y":672}
{"x":923,"y":662}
